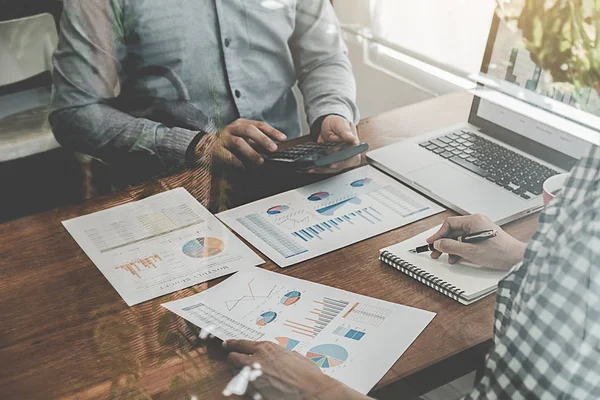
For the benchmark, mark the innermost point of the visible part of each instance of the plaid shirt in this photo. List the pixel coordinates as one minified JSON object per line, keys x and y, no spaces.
{"x":547,"y":329}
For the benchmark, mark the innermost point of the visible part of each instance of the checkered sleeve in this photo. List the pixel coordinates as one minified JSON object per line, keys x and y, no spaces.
{"x":547,"y":320}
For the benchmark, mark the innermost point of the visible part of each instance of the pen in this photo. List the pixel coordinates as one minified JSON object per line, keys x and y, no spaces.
{"x":470,"y":238}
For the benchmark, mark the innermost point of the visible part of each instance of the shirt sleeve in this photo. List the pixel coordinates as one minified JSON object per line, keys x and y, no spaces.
{"x":321,"y":60}
{"x":547,"y":321}
{"x":87,"y":66}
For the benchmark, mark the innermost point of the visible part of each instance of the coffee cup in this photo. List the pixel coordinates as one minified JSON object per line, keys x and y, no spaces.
{"x":553,"y":186}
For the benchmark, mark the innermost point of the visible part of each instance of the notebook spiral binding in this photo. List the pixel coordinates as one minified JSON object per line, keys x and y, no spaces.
{"x":422,"y":276}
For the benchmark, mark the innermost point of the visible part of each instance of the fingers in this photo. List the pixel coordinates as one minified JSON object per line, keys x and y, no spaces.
{"x":241,"y":346}
{"x":454,"y":247}
{"x":452,"y":259}
{"x":338,"y":129}
{"x":224,"y":155}
{"x":239,"y":146}
{"x":350,"y":135}
{"x":239,"y":360}
{"x":251,"y":132}
{"x":249,"y":138}
{"x":451,"y":225}
{"x":269,"y":130}
{"x":435,"y":254}
{"x":342,"y":129}
{"x":343,"y":135}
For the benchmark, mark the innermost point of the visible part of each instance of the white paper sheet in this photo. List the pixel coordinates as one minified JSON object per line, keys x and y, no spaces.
{"x":158,"y":245}
{"x":304,"y":223}
{"x":353,"y":338}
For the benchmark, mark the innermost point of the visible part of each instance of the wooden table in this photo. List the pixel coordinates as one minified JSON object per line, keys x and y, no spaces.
{"x":65,"y":332}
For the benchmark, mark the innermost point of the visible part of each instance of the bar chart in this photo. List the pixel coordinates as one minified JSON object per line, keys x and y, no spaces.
{"x":348,"y":333}
{"x":367,"y":314}
{"x":332,"y":225}
{"x":134,"y":267}
{"x":322,"y":315}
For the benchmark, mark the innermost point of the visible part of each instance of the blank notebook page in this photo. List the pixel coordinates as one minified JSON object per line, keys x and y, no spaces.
{"x":470,"y":278}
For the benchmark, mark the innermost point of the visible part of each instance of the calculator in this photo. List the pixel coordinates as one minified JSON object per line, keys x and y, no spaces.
{"x":315,"y":155}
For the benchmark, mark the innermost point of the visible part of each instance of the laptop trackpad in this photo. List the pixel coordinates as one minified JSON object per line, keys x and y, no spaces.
{"x":452,"y":183}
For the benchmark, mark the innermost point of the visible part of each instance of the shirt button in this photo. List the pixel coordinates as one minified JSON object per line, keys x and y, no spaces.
{"x":238,"y":94}
{"x":227,"y":42}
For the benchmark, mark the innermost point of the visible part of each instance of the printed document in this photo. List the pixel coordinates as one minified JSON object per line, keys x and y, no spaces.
{"x":353,"y":338}
{"x":158,"y":245}
{"x":304,"y":223}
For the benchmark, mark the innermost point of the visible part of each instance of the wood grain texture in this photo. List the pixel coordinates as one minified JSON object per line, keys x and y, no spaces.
{"x":66,"y":333}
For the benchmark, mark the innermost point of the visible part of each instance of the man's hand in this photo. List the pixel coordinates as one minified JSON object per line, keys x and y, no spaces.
{"x":501,"y":252}
{"x":337,"y":129}
{"x":242,"y":141}
{"x":286,"y":374}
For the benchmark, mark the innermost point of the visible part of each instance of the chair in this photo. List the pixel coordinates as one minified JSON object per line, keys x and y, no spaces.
{"x":26,"y":47}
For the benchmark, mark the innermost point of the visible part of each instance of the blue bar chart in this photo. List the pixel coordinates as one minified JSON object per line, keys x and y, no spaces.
{"x":334,"y":224}
{"x":348,"y":333}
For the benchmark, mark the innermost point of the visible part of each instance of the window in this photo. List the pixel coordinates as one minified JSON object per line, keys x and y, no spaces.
{"x":446,"y":33}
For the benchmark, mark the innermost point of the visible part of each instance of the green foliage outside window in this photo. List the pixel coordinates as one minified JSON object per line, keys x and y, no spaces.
{"x":562,"y":36}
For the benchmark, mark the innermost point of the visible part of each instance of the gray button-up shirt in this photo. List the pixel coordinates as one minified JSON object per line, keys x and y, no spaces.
{"x":237,"y":58}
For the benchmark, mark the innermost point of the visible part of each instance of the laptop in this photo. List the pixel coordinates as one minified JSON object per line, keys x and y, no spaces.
{"x":496,"y":163}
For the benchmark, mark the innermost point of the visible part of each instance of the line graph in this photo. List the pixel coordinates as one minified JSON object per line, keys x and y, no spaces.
{"x":292,"y":220}
{"x":232,"y":304}
{"x":291,"y":223}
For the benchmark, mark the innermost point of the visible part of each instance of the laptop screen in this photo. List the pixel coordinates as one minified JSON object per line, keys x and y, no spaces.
{"x":507,"y":62}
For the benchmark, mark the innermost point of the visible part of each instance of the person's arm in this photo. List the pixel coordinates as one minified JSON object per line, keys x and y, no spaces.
{"x":324,"y":73}
{"x":87,"y":66}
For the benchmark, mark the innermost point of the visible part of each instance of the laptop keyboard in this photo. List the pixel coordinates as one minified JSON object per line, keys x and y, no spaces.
{"x":498,"y":164}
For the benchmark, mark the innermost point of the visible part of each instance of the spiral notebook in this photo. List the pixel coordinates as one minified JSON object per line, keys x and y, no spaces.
{"x":464,"y":282}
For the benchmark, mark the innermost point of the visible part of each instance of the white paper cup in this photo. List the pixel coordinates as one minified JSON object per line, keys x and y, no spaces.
{"x":553,"y":186}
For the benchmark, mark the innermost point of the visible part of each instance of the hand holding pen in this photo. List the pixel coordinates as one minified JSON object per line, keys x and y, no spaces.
{"x":475,"y":237}
{"x":488,"y":245}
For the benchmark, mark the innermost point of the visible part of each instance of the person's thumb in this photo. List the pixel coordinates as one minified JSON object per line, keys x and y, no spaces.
{"x":451,"y":246}
{"x":344,"y":130}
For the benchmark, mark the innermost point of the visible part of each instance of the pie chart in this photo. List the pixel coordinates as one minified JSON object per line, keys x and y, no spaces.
{"x":277,"y":210}
{"x":361,"y":182}
{"x":290,"y":298}
{"x":287,"y":342}
{"x":318,"y":196}
{"x":203,"y":247}
{"x":266,"y":318}
{"x":328,"y":355}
